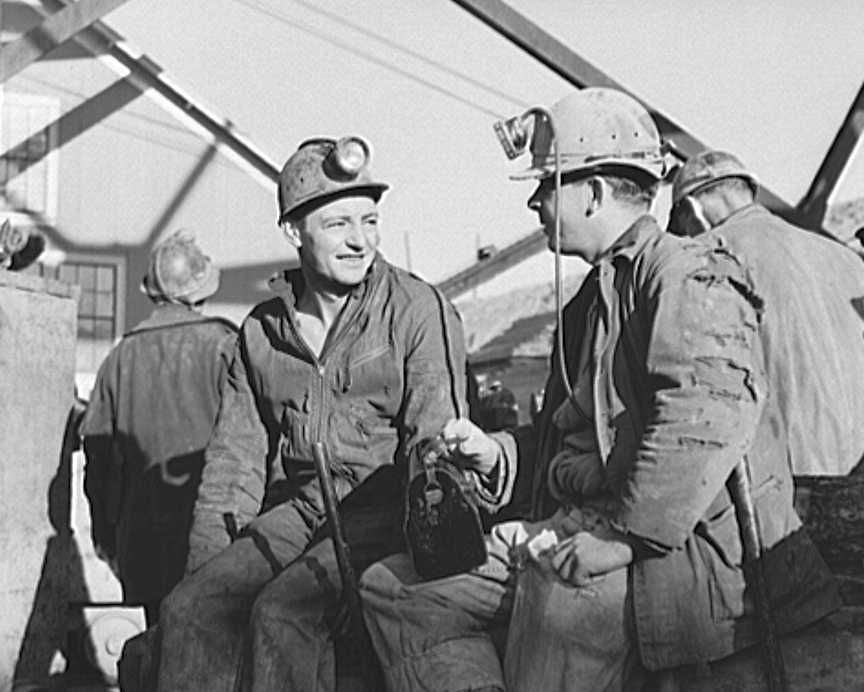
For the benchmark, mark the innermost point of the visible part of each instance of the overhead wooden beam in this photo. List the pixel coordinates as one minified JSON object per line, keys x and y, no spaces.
{"x":814,"y":204}
{"x":486,"y":269}
{"x":54,"y":30}
{"x":99,"y":39}
{"x":566,"y":63}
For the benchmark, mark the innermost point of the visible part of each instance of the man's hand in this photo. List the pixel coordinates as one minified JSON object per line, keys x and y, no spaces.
{"x":586,"y":555}
{"x":473,"y":447}
{"x":574,"y":475}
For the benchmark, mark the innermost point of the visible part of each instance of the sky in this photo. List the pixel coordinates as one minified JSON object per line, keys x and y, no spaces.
{"x":424,"y":80}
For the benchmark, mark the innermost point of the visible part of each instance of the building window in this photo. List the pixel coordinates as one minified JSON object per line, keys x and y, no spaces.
{"x":28,"y":155}
{"x":100,"y":307}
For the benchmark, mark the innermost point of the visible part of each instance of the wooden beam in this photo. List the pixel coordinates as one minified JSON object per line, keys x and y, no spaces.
{"x":568,"y":64}
{"x":814,"y":204}
{"x":99,"y":39}
{"x":484,"y":270}
{"x":54,"y":30}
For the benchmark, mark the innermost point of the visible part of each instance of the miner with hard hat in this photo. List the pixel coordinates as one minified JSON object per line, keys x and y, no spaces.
{"x":148,"y":420}
{"x":810,"y":329}
{"x":632,"y":563}
{"x":354,"y":353}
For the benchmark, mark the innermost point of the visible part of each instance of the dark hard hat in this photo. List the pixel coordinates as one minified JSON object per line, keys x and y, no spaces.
{"x":180,"y":272}
{"x":322,"y":170}
{"x":708,"y":167}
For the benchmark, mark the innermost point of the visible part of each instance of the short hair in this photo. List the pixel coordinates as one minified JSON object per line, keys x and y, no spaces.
{"x":733,"y":184}
{"x":638,"y":191}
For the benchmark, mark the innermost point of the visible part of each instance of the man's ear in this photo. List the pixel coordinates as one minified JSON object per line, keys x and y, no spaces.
{"x":292,"y":234}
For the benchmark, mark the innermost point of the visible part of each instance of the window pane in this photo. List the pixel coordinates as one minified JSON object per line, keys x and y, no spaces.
{"x":105,"y":278}
{"x":104,"y":329}
{"x":104,"y":305}
{"x":87,"y":277}
{"x":87,"y":306}
{"x":86,"y":327}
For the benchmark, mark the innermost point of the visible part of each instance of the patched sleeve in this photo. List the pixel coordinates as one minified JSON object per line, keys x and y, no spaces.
{"x":705,"y":382}
{"x":235,"y":466}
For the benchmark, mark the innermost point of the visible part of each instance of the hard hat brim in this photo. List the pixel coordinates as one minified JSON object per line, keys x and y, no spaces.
{"x":695,"y":186}
{"x":362,"y":189}
{"x":592,"y":167}
{"x":533,"y":173}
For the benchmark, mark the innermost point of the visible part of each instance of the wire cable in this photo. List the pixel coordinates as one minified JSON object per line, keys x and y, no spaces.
{"x":412,"y":53}
{"x":369,"y":57}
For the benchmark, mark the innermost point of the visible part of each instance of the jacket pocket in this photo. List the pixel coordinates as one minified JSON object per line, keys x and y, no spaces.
{"x":719,"y":540}
{"x":372,"y":354}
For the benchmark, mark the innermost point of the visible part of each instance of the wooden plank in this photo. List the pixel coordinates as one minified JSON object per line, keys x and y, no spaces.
{"x":568,"y":64}
{"x":145,"y":73}
{"x":54,"y":30}
{"x":814,"y":204}
{"x":484,"y":270}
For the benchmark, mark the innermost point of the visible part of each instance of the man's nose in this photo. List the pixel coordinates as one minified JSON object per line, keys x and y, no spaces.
{"x":356,"y":237}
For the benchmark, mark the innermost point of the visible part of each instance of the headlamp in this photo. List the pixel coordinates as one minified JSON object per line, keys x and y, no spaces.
{"x":351,"y":155}
{"x":513,"y":135}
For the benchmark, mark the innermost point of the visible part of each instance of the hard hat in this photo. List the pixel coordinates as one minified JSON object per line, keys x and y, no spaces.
{"x":595,"y":127}
{"x":179,"y":271}
{"x":322,"y":170}
{"x":708,"y":167}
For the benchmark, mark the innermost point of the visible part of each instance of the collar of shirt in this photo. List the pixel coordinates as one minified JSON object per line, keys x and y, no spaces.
{"x":753,"y":209}
{"x":631,"y":241}
{"x":289,"y":283}
{"x":166,"y":314}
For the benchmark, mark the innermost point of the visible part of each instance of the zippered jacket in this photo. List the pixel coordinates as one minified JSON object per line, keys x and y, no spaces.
{"x":390,"y":374}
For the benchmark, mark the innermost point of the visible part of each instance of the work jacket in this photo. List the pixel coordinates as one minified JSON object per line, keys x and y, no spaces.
{"x":150,"y":415}
{"x":679,"y":399}
{"x":391,"y":373}
{"x":812,"y":332}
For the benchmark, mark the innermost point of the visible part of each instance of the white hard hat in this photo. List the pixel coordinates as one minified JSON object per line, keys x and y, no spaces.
{"x":596,"y":127}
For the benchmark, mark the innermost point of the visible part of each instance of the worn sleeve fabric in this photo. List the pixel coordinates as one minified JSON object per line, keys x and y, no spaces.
{"x":435,"y":388}
{"x":704,"y":381}
{"x":234,"y":475}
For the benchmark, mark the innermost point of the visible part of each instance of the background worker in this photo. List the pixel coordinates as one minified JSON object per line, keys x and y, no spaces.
{"x":352,"y":352}
{"x":812,"y":329}
{"x":149,"y":417}
{"x":643,"y":572}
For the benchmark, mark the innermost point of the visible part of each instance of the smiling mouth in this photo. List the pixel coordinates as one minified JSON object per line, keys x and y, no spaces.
{"x":351,"y":258}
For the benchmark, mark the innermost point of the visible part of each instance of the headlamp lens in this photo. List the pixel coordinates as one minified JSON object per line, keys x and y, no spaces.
{"x":513,"y":135}
{"x":352,"y":155}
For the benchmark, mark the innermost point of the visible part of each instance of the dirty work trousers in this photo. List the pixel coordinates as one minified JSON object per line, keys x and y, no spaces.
{"x":437,"y":636}
{"x":258,"y":616}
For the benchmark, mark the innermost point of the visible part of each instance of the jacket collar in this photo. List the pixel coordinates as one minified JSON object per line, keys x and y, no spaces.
{"x":289,"y":283}
{"x":752,"y":209}
{"x":166,"y":315}
{"x":631,"y":242}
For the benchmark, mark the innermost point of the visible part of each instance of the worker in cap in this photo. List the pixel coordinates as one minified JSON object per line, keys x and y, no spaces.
{"x":730,"y":184}
{"x":632,"y":542}
{"x":355,"y":353}
{"x":810,"y":330}
{"x":149,"y":417}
